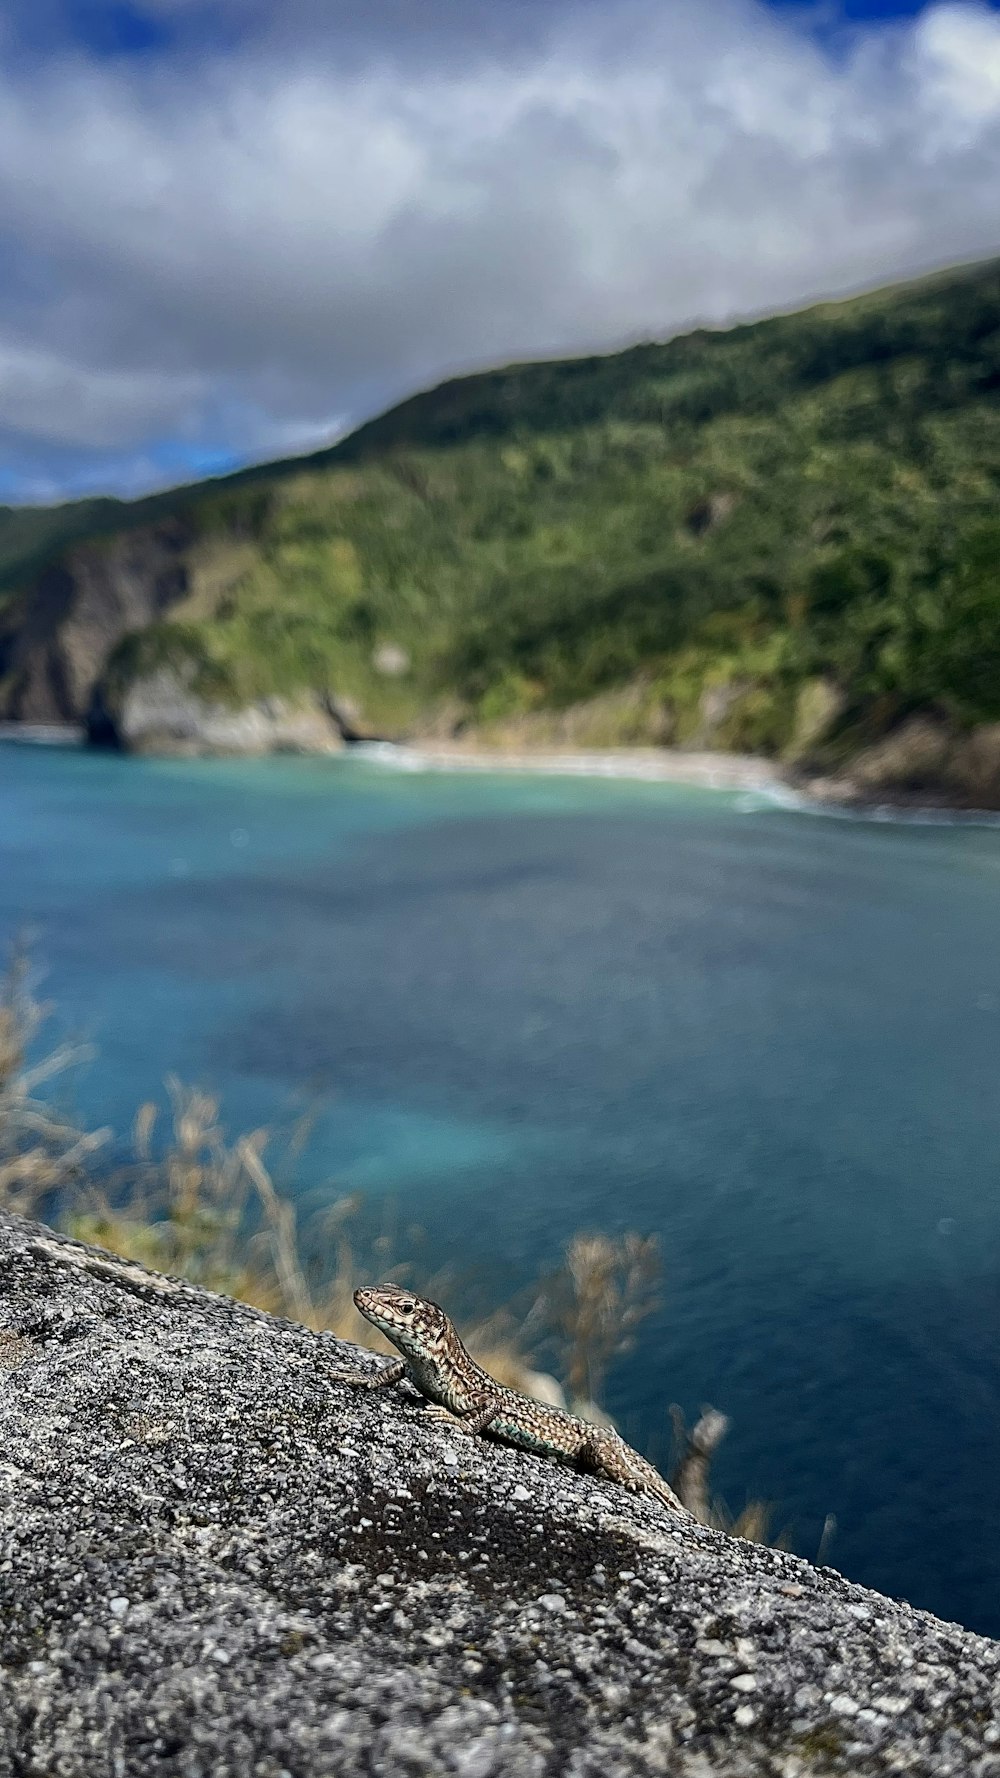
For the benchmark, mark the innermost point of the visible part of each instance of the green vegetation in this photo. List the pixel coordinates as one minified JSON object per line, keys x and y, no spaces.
{"x":768,"y":534}
{"x":31,"y":535}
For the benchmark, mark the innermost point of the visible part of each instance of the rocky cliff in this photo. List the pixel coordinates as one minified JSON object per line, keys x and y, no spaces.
{"x":162,"y":712}
{"x":57,"y":634}
{"x":924,"y":760}
{"x":217,"y":1561}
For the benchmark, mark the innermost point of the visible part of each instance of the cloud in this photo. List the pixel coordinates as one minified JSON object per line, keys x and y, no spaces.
{"x":956,"y":59}
{"x":217,"y":250}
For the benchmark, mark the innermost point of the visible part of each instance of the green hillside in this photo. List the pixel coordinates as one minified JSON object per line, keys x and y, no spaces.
{"x":807,"y":501}
{"x":31,"y":535}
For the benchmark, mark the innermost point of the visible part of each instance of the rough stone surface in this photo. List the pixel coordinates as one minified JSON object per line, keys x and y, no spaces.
{"x":925,"y":762}
{"x":218,"y":1562}
{"x":915,"y":756}
{"x":160,"y":713}
{"x":55,"y":640}
{"x":818,"y":707}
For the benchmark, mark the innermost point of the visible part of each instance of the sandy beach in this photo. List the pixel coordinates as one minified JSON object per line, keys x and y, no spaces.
{"x":711,"y":771}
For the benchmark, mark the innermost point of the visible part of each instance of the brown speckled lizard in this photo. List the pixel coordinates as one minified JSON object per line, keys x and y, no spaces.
{"x":437,"y":1362}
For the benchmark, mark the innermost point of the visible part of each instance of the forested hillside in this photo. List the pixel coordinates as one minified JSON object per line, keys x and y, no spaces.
{"x":763,"y":533}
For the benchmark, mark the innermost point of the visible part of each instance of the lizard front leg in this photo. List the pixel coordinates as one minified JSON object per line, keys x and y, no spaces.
{"x":383,"y":1379}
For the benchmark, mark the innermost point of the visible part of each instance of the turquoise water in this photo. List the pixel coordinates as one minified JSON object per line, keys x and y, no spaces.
{"x":530,"y":1005}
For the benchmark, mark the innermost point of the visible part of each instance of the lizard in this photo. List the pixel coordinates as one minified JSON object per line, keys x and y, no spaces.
{"x":435,"y":1360}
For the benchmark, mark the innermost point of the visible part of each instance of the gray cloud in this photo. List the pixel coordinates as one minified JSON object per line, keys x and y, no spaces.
{"x":234,"y":251}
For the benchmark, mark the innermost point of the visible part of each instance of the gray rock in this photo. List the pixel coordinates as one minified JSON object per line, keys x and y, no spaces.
{"x":818,"y":708}
{"x":925,"y":762}
{"x":55,"y":637}
{"x":975,"y":766}
{"x":715,"y":705}
{"x":161,"y":713}
{"x":216,"y":1561}
{"x":392,"y":660}
{"x":913,"y":757}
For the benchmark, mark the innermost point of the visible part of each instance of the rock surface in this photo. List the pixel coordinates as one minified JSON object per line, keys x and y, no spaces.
{"x":55,"y":640}
{"x":924,"y":762}
{"x":161,"y":713}
{"x":216,"y":1561}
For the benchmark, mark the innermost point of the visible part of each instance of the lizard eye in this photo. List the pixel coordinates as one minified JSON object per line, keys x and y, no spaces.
{"x":406,"y":1308}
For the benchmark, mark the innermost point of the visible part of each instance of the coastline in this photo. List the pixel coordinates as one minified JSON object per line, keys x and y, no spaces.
{"x":837,"y":797}
{"x":710,"y":771}
{"x":44,"y":734}
{"x":841,"y":798}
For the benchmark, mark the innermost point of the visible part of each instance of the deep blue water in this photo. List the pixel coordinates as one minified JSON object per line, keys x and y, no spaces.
{"x":531,"y":1005}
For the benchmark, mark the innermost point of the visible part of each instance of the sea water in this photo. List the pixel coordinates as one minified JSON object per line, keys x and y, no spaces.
{"x":521,"y":1006}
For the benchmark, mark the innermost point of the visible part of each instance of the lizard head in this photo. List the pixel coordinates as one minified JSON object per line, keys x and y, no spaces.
{"x":415,"y":1326}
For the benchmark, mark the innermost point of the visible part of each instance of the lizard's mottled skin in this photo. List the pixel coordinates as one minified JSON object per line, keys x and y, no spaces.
{"x":437,"y":1362}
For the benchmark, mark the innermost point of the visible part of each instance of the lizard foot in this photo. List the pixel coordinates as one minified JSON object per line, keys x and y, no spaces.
{"x":433,"y":1412}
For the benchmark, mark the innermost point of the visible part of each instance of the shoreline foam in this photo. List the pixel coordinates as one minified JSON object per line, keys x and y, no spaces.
{"x":43,"y":734}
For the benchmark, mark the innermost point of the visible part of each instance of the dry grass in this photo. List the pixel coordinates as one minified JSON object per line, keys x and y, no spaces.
{"x":755,"y":1524}
{"x":41,"y":1153}
{"x":605,"y":1289}
{"x":691,"y":1474}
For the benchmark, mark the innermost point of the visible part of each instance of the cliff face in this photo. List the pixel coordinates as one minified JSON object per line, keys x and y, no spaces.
{"x":162,"y":713}
{"x":56,"y":637}
{"x":924,"y":760}
{"x":215,"y":1559}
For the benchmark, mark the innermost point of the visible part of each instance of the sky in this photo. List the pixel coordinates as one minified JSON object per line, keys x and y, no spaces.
{"x":231,"y":229}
